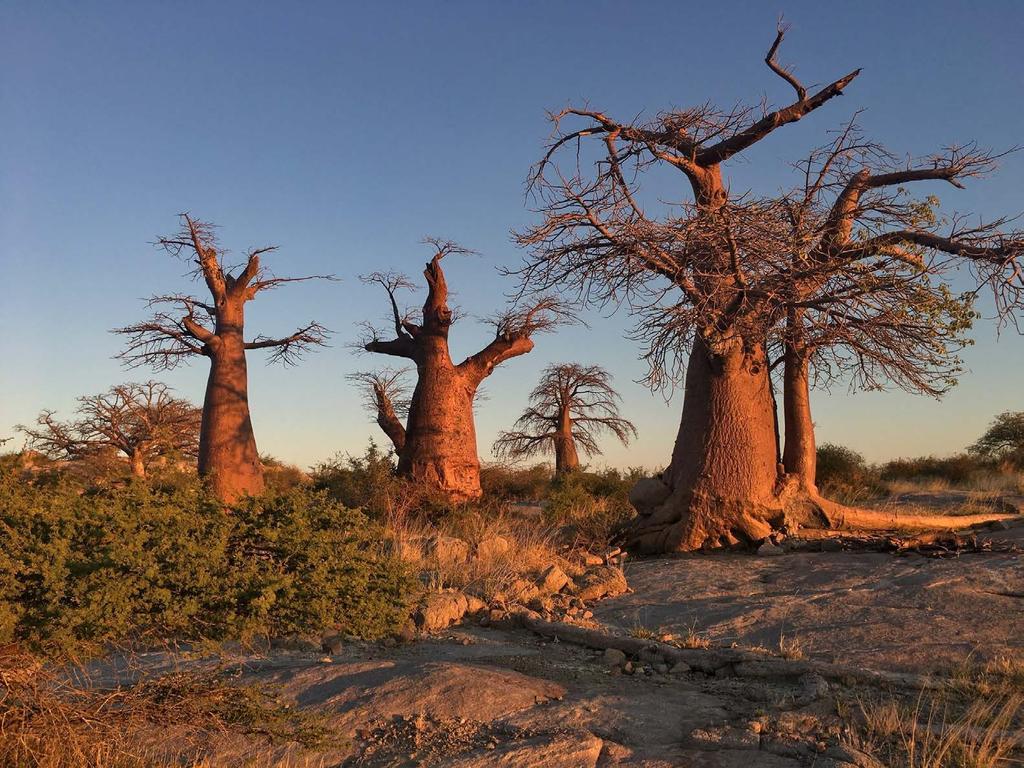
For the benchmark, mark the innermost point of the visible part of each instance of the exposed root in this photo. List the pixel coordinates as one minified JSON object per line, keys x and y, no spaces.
{"x":687,"y":522}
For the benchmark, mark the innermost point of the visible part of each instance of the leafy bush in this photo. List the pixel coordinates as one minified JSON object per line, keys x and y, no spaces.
{"x":501,"y":481}
{"x":594,"y":505}
{"x":124,"y":564}
{"x":954,"y":470}
{"x":842,"y":473}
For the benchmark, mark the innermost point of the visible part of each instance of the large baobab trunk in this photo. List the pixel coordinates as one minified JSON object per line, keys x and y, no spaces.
{"x":723,"y":481}
{"x":567,"y":458}
{"x":228,"y":458}
{"x":440,"y":437}
{"x":799,"y":456}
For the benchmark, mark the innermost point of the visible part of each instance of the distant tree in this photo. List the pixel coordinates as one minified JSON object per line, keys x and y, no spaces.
{"x":1004,"y":439}
{"x":140,"y":421}
{"x":228,"y":458}
{"x":439,"y":448}
{"x":569,"y":409}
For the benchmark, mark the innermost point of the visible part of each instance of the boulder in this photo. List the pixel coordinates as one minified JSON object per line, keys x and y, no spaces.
{"x":440,"y":609}
{"x":769,"y":550}
{"x":648,"y":494}
{"x":602,"y":581}
{"x":613,"y":657}
{"x":492,"y":547}
{"x":552,"y":580}
{"x":448,"y":550}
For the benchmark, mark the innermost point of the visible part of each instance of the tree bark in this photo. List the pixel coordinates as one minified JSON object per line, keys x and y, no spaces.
{"x":228,"y":458}
{"x":723,"y":479}
{"x":440,"y":437}
{"x":137,"y":463}
{"x":800,"y":453}
{"x":567,"y":458}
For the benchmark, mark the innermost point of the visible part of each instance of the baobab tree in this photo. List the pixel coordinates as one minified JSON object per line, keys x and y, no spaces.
{"x":709,"y":279}
{"x":897,"y":322}
{"x":228,"y":458}
{"x":386,"y":396}
{"x":140,"y":421}
{"x":439,"y":449}
{"x":569,"y":409}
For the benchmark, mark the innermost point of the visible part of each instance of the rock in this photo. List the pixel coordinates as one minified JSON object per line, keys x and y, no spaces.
{"x":680,"y":668}
{"x":440,"y":609}
{"x":649,"y":655}
{"x":332,"y":645}
{"x":552,"y":580}
{"x":648,"y":494}
{"x":522,"y":590}
{"x":613,"y":657}
{"x":448,"y":550}
{"x":589,"y":558}
{"x":661,"y":669}
{"x":769,"y":550}
{"x":549,"y":751}
{"x":628,"y":668}
{"x":492,"y":548}
{"x":475,"y":605}
{"x":541,"y":604}
{"x":602,"y":581}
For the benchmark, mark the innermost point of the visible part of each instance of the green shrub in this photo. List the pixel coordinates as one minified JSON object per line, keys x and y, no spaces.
{"x":594,"y":505}
{"x":357,"y":481}
{"x":843,"y":474}
{"x":500,"y":481}
{"x":955,"y":470}
{"x":126,"y":564}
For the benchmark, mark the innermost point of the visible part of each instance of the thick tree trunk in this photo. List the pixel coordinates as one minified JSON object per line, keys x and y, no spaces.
{"x":723,"y":485}
{"x":440,"y":436}
{"x":567,"y":459}
{"x":800,"y":453}
{"x":137,"y":463}
{"x":228,"y":458}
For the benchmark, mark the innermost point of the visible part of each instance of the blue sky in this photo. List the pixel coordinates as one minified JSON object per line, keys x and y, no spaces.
{"x":346,"y":132}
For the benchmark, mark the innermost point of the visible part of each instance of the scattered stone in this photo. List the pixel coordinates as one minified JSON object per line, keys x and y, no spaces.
{"x":587,"y":614}
{"x":628,"y":668}
{"x":648,"y":494}
{"x":661,"y":669}
{"x":769,"y":550}
{"x":541,"y":604}
{"x":680,"y":668}
{"x":492,"y":548}
{"x":440,"y":610}
{"x":552,"y":580}
{"x":448,"y":550}
{"x":613,"y":657}
{"x":602,"y":581}
{"x":332,"y":645}
{"x":591,"y":559}
{"x":522,"y":590}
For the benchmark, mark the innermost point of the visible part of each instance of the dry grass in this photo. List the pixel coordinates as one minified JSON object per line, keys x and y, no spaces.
{"x":49,"y":720}
{"x":932,"y":734}
{"x":532,"y":547}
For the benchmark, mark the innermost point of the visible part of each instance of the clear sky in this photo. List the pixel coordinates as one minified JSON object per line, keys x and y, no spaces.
{"x":346,"y":132}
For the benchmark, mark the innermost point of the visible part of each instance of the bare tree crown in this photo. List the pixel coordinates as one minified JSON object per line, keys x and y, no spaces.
{"x":183,"y":325}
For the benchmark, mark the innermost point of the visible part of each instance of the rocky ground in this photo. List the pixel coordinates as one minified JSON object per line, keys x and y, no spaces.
{"x":762,"y":635}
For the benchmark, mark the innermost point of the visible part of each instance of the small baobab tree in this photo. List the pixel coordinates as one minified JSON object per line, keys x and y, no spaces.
{"x":386,"y":396}
{"x":710,"y":280}
{"x":184,"y":326}
{"x":140,"y":421}
{"x":570,"y":408}
{"x":439,"y":448}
